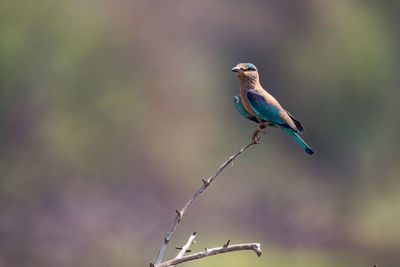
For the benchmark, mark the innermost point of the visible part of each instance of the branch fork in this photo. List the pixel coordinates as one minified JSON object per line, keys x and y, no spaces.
{"x":225,"y":248}
{"x":179,"y":214}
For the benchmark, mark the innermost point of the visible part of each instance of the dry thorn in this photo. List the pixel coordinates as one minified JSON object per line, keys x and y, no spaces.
{"x":227,"y":243}
{"x":180,"y":248}
{"x":178,"y":212}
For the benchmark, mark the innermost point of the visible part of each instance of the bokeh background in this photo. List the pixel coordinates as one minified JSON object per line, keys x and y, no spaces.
{"x":112,"y":111}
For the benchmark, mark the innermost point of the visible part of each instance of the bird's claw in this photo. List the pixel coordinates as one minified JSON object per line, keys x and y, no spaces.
{"x":255,"y":138}
{"x":260,"y":129}
{"x":262,"y":126}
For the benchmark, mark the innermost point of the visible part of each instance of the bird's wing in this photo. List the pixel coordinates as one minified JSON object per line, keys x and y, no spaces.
{"x":237,"y":102}
{"x":296,"y":122}
{"x":269,"y":111}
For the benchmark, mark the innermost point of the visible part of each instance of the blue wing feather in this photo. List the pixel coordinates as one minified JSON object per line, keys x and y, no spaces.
{"x":266,"y":111}
{"x":270,"y":113}
{"x":237,"y":102}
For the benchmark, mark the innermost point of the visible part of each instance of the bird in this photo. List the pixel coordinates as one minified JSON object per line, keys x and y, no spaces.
{"x":256,"y":104}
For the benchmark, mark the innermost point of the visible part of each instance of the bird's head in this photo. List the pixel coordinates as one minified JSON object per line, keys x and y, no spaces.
{"x":246,"y":71}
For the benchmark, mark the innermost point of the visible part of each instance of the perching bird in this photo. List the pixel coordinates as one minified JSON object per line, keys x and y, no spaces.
{"x":256,"y":104}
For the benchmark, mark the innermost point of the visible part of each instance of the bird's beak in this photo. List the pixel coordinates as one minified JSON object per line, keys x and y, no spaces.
{"x":236,"y":69}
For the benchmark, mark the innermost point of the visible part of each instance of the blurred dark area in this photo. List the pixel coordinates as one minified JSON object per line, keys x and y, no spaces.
{"x":112,"y":111}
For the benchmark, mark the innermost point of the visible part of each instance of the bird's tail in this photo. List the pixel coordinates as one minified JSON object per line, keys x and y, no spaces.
{"x":299,"y":141}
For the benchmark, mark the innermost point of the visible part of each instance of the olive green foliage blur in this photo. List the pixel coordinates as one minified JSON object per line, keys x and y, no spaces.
{"x":112,"y":111}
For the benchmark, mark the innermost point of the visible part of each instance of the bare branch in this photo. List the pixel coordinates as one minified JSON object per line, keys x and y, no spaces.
{"x":205,"y":184}
{"x":185,"y":248}
{"x":210,"y":252}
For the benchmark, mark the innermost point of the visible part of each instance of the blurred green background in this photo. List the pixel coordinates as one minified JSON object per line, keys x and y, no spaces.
{"x":112,"y":111}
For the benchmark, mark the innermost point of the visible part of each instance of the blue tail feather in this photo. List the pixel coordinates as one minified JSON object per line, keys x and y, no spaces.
{"x":299,"y":141}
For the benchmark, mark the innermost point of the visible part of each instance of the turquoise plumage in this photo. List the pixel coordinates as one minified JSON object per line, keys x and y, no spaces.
{"x":256,"y":104}
{"x":237,"y":102}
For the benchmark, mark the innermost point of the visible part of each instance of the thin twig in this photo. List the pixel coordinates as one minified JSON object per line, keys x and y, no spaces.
{"x":213,"y":251}
{"x":185,"y":248}
{"x":206,"y":183}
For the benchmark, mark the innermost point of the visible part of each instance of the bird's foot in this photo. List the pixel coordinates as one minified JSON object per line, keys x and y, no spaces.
{"x":255,"y":137}
{"x":262,"y":126}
